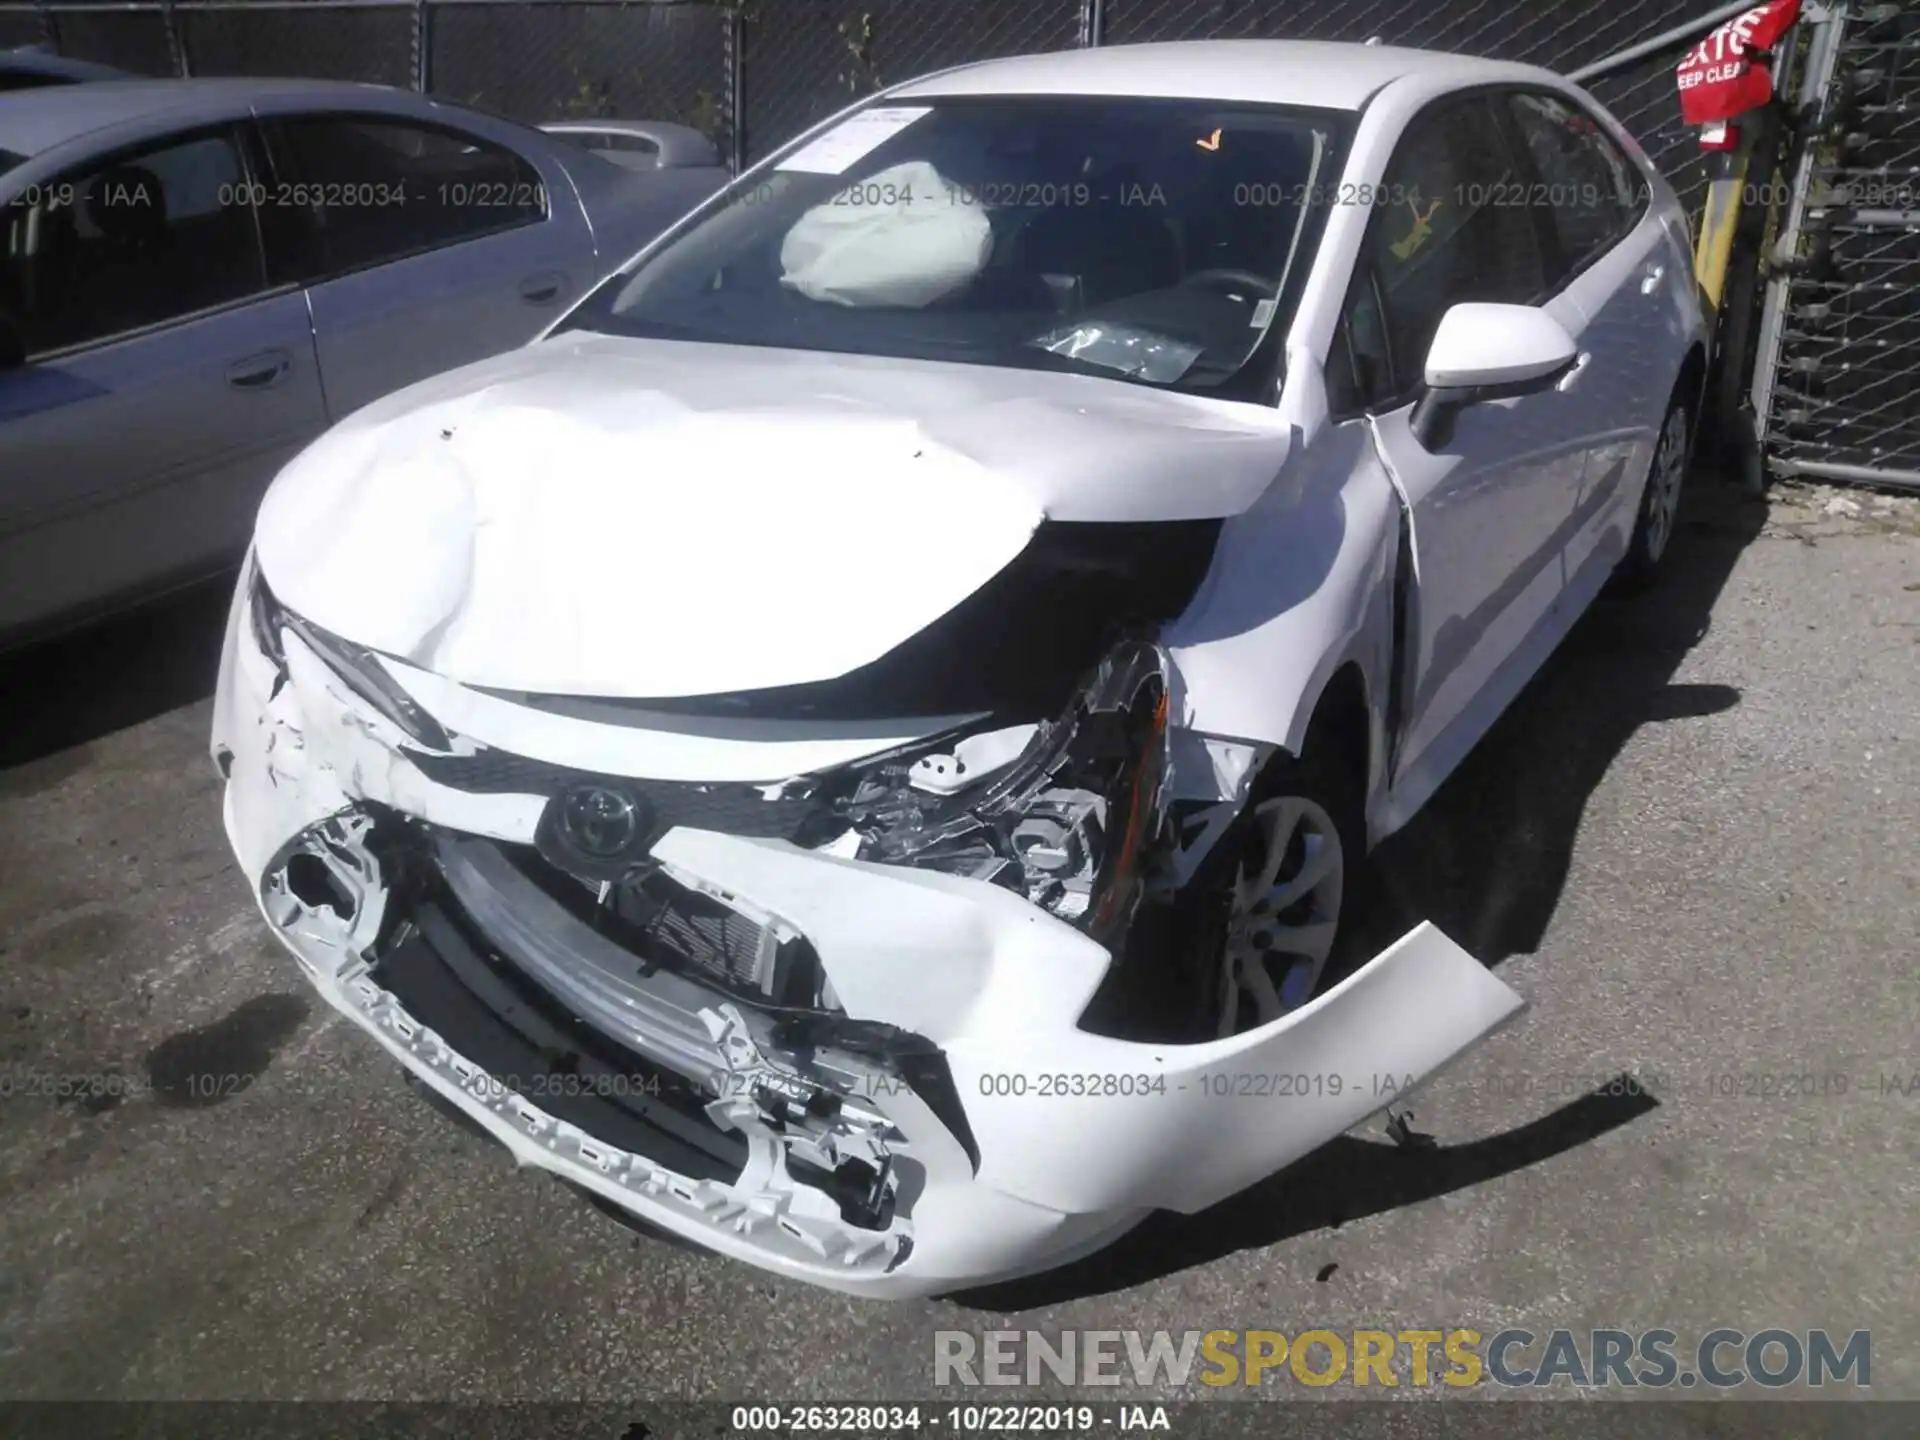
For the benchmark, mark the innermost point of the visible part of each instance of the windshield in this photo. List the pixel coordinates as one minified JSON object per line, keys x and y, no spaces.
{"x":8,"y":160}
{"x":1155,"y":241}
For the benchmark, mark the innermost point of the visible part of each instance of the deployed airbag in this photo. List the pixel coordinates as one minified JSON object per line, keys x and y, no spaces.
{"x":895,"y":239}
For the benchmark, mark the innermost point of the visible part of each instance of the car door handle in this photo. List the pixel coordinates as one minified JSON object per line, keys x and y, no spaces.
{"x":1654,"y":276}
{"x":539,"y":289}
{"x":1572,"y":377}
{"x":259,"y":372}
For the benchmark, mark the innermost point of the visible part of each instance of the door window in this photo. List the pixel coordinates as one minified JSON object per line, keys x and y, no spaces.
{"x":1584,"y":187}
{"x":1446,"y":232}
{"x":1359,"y":365}
{"x":152,"y":235}
{"x":373,"y":190}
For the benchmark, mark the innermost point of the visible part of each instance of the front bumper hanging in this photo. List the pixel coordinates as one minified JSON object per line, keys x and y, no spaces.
{"x":946,"y":1123}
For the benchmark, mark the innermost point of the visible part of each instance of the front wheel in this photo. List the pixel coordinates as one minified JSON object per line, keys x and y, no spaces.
{"x":1291,"y":897}
{"x":1660,"y":499}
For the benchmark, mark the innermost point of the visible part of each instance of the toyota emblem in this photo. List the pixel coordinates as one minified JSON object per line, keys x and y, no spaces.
{"x":600,"y":821}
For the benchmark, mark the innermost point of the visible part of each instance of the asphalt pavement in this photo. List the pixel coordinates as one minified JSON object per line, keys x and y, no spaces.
{"x":1691,"y":845}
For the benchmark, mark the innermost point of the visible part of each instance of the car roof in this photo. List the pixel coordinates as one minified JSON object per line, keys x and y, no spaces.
{"x":35,"y":120}
{"x":1316,"y":74}
{"x":32,"y":60}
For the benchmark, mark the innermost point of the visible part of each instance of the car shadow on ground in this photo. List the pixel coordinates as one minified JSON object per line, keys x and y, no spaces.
{"x":61,"y":694}
{"x":1348,"y":1179}
{"x":1486,"y":861}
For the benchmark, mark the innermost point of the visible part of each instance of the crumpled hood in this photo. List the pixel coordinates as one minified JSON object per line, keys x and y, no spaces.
{"x":593,"y":515}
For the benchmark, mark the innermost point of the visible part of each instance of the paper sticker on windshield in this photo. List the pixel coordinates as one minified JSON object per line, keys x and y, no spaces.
{"x":1139,"y":353}
{"x":1263,"y":314}
{"x":852,"y":139}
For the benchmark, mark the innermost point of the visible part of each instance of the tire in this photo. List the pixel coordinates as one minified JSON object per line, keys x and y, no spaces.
{"x":1659,"y":500}
{"x":1314,"y":806}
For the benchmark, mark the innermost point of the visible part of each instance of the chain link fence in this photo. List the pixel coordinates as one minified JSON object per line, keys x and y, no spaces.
{"x":133,"y":40}
{"x":764,"y":70}
{"x":804,"y":59}
{"x":531,"y":60}
{"x":325,"y":43}
{"x":1645,"y":99}
{"x":1845,"y":388}
{"x":20,"y":27}
{"x":580,"y":61}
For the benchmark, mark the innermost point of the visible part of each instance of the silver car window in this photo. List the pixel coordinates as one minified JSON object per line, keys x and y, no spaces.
{"x":145,"y":237}
{"x":372,"y":189}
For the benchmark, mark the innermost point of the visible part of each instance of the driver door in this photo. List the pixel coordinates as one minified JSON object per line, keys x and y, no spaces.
{"x":1491,"y":504}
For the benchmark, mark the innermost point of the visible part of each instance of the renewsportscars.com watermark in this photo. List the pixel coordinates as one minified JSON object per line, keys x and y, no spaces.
{"x":1720,"y":1359}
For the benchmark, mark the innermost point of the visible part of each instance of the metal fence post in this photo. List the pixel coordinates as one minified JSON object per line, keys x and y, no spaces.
{"x":421,"y":42}
{"x":1093,"y":22}
{"x":176,"y":42}
{"x":1823,"y":58}
{"x":733,"y":87}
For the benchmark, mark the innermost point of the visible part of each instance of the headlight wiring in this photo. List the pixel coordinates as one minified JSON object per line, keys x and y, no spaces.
{"x":1070,"y":823}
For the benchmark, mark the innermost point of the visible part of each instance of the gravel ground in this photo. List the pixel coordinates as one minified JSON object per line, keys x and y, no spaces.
{"x":1691,"y":845}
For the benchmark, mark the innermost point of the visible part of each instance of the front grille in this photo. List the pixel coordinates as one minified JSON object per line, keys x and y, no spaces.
{"x":728,"y":809}
{"x":446,"y":976}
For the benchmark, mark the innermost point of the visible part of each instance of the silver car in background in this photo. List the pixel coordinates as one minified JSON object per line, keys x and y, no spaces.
{"x":200,"y":276}
{"x":650,"y":145}
{"x":29,"y":67}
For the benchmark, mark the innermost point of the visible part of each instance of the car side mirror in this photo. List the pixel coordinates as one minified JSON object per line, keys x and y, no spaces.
{"x":1489,"y":352}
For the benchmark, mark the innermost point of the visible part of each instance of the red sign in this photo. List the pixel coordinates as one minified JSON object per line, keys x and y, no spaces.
{"x":1723,"y":79}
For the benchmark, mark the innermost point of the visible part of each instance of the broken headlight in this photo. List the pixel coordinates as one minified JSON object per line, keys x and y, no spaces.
{"x":357,"y":667}
{"x":1069,"y":819}
{"x":267,"y":620}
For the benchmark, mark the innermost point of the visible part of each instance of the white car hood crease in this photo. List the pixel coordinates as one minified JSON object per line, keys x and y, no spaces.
{"x":594,"y":515}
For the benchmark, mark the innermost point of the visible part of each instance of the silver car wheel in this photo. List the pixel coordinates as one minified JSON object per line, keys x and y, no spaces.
{"x":1285,"y":913}
{"x":1664,"y":482}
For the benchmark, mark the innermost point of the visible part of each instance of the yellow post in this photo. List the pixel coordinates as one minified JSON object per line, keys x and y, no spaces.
{"x":1720,"y":218}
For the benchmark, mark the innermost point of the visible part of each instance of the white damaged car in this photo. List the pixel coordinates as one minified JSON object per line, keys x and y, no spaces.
{"x":857,"y":748}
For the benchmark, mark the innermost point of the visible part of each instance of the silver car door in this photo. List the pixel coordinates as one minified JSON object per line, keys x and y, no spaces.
{"x":426,"y":246}
{"x":162,"y":384}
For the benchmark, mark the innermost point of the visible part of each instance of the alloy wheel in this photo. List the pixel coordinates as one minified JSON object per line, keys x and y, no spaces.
{"x":1664,"y":483}
{"x":1284,"y":913}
